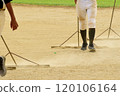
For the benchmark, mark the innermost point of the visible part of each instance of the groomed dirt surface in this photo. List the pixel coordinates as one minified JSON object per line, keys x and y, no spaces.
{"x":41,"y":27}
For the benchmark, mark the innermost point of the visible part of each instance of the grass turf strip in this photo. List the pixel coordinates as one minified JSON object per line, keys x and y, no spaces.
{"x":101,"y":3}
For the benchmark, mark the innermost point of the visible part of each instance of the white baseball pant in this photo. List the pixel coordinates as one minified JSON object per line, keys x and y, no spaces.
{"x":89,"y":8}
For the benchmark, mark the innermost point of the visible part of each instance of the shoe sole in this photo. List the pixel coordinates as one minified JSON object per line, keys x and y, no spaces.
{"x":92,"y":50}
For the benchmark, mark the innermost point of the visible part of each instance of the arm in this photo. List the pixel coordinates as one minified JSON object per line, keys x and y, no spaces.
{"x":13,"y":22}
{"x":75,"y":1}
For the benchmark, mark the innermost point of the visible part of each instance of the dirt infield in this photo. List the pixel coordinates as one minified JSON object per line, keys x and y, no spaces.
{"x":41,"y":27}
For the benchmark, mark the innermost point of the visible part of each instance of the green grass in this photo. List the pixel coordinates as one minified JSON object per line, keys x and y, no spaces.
{"x":47,"y":2}
{"x":101,"y":3}
{"x":108,"y":3}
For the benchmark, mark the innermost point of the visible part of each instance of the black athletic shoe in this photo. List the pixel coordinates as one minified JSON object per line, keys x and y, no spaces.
{"x":91,"y":48}
{"x":2,"y":66}
{"x":84,"y":46}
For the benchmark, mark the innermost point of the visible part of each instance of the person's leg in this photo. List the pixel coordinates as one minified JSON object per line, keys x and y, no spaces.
{"x":83,"y":30}
{"x":91,"y":12}
{"x":83,"y":35}
{"x":2,"y":58}
{"x":81,"y":11}
{"x":91,"y":38}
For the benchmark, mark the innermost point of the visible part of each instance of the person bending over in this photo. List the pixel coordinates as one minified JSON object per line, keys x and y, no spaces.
{"x":13,"y":24}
